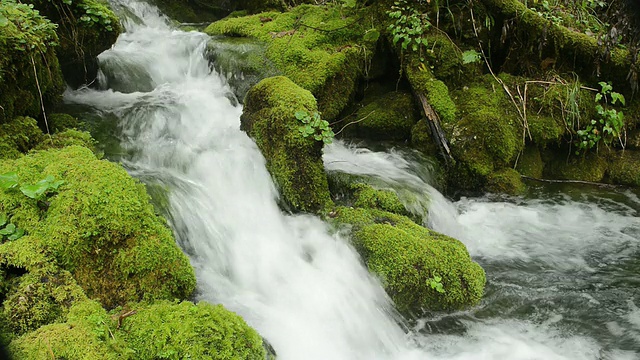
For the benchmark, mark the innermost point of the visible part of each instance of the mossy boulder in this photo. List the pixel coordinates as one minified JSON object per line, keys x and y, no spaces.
{"x":505,"y":181}
{"x":99,"y":226}
{"x":85,"y":29}
{"x":294,"y":161}
{"x":424,"y":82}
{"x":19,"y":136}
{"x":66,"y":138}
{"x":387,"y":117}
{"x":27,"y":42}
{"x":488,"y":135}
{"x":327,"y":63}
{"x":407,"y":257}
{"x":421,"y":138}
{"x":624,"y":169}
{"x":590,"y":167}
{"x":187,"y":331}
{"x":59,"y":122}
{"x":161,"y":330}
{"x":530,"y":162}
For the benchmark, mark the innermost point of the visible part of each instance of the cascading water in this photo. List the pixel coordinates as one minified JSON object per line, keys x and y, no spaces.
{"x":307,"y":292}
{"x":561,"y":266}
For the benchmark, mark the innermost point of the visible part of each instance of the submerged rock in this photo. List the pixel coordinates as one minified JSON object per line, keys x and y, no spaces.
{"x":294,"y":161}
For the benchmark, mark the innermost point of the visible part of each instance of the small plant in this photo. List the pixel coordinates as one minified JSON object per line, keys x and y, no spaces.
{"x":470,"y":56}
{"x":9,"y":230}
{"x":608,"y":124}
{"x":38,"y":190}
{"x":435,"y":283}
{"x":313,"y":125}
{"x":409,"y":26}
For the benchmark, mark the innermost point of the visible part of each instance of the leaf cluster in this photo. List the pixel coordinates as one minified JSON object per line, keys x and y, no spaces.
{"x":409,"y":26}
{"x":608,"y":124}
{"x":37,"y":191}
{"x":436,"y":284}
{"x":313,"y":125}
{"x":25,"y":28}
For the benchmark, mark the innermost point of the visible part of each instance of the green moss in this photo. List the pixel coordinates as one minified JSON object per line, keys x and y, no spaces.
{"x":99,"y":226}
{"x":66,"y":138}
{"x":625,"y":168}
{"x":505,"y":181}
{"x":544,"y":129}
{"x":85,"y":335}
{"x":39,"y":298}
{"x":445,"y":58}
{"x":421,"y":138}
{"x":437,"y":93}
{"x":591,"y":167}
{"x":27,"y":41}
{"x":365,"y":196}
{"x":388,"y":117}
{"x":327,"y":63}
{"x":19,"y":136}
{"x":488,"y":134}
{"x":187,"y":331}
{"x":294,"y":161}
{"x":60,"y":122}
{"x":405,"y":256}
{"x":530,"y":162}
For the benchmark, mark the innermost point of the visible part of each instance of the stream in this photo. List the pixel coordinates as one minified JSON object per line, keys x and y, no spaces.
{"x":562,"y":262}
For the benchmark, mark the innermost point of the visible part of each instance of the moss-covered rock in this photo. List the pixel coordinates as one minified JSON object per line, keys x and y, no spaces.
{"x":625,"y":168}
{"x":293,"y":160}
{"x":66,"y":138}
{"x":19,"y":136}
{"x":85,"y":29}
{"x":187,"y":331}
{"x":59,"y":122}
{"x":421,"y":138}
{"x":505,"y":181}
{"x":437,"y":93}
{"x":530,"y":162}
{"x":327,"y":63}
{"x":99,"y":226}
{"x":387,"y":117}
{"x":590,"y":167}
{"x":162,"y":330}
{"x":407,"y":257}
{"x":27,"y":42}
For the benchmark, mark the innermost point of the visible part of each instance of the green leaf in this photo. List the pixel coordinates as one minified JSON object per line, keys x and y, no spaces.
{"x":8,"y":180}
{"x":598,"y":97}
{"x":3,"y":21}
{"x":8,"y":230}
{"x":17,"y":235}
{"x":34,"y":191}
{"x":301,"y":114}
{"x":371,"y":35}
{"x":615,"y":97}
{"x":470,"y":56}
{"x":3,"y":219}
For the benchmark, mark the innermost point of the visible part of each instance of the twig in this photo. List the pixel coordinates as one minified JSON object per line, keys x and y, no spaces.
{"x":570,"y":182}
{"x":354,"y":122}
{"x":44,"y":114}
{"x":124,"y":316}
{"x":53,"y":357}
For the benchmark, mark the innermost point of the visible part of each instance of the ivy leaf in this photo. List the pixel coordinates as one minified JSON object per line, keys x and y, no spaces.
{"x":34,"y":191}
{"x":470,"y":56}
{"x":301,"y":114}
{"x":17,"y":235}
{"x":615,"y":97}
{"x":8,"y":230}
{"x":8,"y":180}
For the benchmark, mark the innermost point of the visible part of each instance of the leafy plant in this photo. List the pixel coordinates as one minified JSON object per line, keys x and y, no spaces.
{"x":313,"y":125}
{"x":41,"y":188}
{"x":409,"y":25}
{"x":608,"y":124}
{"x":470,"y":56}
{"x":435,"y":283}
{"x":9,"y":230}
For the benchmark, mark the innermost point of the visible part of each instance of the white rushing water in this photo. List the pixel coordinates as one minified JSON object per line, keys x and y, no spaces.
{"x":304,"y":290}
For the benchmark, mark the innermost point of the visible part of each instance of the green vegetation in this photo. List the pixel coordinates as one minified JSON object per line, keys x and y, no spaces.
{"x":609,"y":123}
{"x":409,"y":258}
{"x":312,"y":124}
{"x":409,"y":26}
{"x":295,"y":161}
{"x":387,"y":117}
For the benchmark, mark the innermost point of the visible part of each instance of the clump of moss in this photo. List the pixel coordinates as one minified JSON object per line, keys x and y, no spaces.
{"x":387,"y":117}
{"x":365,"y":196}
{"x":407,"y":257}
{"x":187,"y":331}
{"x":39,"y":298}
{"x":327,"y":63}
{"x":19,"y":136}
{"x":530,"y":162}
{"x":293,"y":160}
{"x":99,"y":226}
{"x":66,"y":138}
{"x":27,"y":42}
{"x":437,"y":93}
{"x":590,"y":167}
{"x":625,"y":168}
{"x":59,"y":122}
{"x":505,"y":181}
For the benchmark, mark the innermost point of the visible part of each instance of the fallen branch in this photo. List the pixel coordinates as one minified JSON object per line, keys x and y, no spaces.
{"x":434,"y":125}
{"x":570,"y":182}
